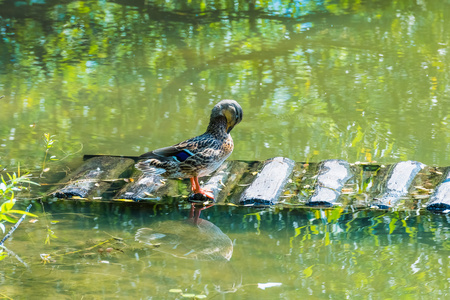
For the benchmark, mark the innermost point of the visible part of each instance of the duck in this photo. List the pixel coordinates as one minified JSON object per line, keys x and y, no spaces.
{"x":198,"y":156}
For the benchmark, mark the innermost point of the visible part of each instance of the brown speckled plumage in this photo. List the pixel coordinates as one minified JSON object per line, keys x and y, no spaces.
{"x":201,"y":155}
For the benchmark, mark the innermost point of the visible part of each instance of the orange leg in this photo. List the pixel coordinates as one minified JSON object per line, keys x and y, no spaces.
{"x":193,"y":186}
{"x":196,"y":211}
{"x":199,"y":211}
{"x":198,"y":190}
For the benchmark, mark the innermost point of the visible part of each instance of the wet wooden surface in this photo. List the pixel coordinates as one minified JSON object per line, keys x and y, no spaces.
{"x":332,"y":176}
{"x":440,"y":199}
{"x":93,"y":177}
{"x":145,"y":187}
{"x":397,"y":183}
{"x":405,"y":185}
{"x":269,"y":182}
{"x":225,"y":179}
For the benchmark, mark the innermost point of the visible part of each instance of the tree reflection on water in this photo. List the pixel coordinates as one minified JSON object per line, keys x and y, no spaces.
{"x":349,"y":79}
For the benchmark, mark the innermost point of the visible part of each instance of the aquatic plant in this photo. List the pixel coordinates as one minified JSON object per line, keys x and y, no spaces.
{"x":9,"y":185}
{"x":48,"y":142}
{"x":13,"y":183}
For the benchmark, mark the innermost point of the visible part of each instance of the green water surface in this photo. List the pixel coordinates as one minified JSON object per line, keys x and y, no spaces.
{"x":309,"y":255}
{"x":350,"y":79}
{"x":355,"y":80}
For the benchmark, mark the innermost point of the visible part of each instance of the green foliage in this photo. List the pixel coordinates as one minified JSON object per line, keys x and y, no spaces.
{"x":3,"y":254}
{"x":9,"y":186}
{"x":48,"y":142}
{"x":50,"y":235}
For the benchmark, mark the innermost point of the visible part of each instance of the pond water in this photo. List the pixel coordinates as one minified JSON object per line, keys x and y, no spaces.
{"x":354,"y":80}
{"x":283,"y":254}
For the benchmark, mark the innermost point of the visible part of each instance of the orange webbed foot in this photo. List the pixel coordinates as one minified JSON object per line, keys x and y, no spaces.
{"x":207,"y":193}
{"x":201,"y":195}
{"x":197,"y":190}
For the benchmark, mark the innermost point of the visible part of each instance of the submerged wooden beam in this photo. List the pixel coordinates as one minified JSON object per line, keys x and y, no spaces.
{"x":90,"y":179}
{"x":440,"y":199}
{"x":154,"y":187}
{"x":225,"y":179}
{"x":405,"y":185}
{"x":269,"y":183}
{"x":146,"y":187}
{"x":333,"y":175}
{"x":397,"y":183}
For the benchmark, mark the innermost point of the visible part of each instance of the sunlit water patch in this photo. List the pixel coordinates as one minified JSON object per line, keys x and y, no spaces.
{"x":359,"y":81}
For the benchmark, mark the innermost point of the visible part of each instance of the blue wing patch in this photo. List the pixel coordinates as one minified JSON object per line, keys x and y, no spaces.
{"x":183,"y":155}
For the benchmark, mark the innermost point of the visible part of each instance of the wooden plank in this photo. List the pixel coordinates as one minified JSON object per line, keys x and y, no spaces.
{"x":333,"y":175}
{"x":147,"y":187}
{"x":225,"y":179}
{"x":397,"y":183}
{"x":268,"y":185}
{"x":91,"y":178}
{"x":440,"y":199}
{"x":405,"y":185}
{"x":291,"y":192}
{"x":155,"y":187}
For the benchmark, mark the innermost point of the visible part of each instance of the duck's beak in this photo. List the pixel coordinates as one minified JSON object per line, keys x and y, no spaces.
{"x":229,"y":127}
{"x":229,"y":117}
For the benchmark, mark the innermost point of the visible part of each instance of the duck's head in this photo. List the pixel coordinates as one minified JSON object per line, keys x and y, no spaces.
{"x":229,"y":109}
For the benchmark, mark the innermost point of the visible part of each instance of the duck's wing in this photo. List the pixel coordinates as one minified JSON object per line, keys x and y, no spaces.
{"x":188,"y":157}
{"x":164,"y":160}
{"x":179,"y":152}
{"x":171,"y":153}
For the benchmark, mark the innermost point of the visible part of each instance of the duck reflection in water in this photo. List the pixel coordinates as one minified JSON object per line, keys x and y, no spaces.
{"x":194,"y":238}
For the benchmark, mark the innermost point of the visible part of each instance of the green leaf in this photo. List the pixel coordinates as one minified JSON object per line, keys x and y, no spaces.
{"x":308,"y":271}
{"x":8,"y":218}
{"x":3,"y":254}
{"x":6,"y":207}
{"x":22,"y":212}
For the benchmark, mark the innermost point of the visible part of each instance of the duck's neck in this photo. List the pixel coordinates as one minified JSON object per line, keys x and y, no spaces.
{"x":218,"y":127}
